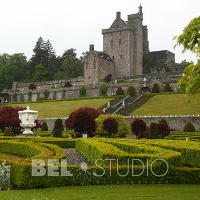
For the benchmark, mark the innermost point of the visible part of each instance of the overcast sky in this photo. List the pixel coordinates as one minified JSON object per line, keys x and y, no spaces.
{"x":78,"y":23}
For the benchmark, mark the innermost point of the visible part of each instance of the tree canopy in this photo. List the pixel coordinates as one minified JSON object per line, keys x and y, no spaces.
{"x":190,"y":40}
{"x":44,"y":65}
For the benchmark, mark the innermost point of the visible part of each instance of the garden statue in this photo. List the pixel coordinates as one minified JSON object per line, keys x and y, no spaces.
{"x":28,"y":118}
{"x":145,"y":82}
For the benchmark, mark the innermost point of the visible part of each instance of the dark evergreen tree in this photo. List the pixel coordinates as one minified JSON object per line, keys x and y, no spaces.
{"x":58,"y":128}
{"x":155,"y":88}
{"x":39,"y":53}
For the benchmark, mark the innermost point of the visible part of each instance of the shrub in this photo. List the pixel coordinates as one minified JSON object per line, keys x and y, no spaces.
{"x":167,"y":88}
{"x":189,"y":127}
{"x":123,"y":126}
{"x":14,"y":97}
{"x":29,"y":95}
{"x":155,"y":88}
{"x":131,"y":91}
{"x":7,"y":132}
{"x":9,"y":118}
{"x":32,"y":86}
{"x":67,"y":84}
{"x":154,"y":130}
{"x":37,"y":126}
{"x":163,"y":129}
{"x":21,"y":98}
{"x":146,"y":134}
{"x":82,"y":91}
{"x":119,"y":91}
{"x":44,"y":127}
{"x":84,"y":123}
{"x":46,"y":94}
{"x":103,"y":90}
{"x":58,"y":128}
{"x":163,"y":121}
{"x":108,"y":78}
{"x":138,"y":127}
{"x":111,"y":126}
{"x":94,"y":113}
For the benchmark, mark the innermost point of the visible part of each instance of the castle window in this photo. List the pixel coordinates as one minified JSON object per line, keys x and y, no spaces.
{"x":120,"y":41}
{"x":121,"y":56}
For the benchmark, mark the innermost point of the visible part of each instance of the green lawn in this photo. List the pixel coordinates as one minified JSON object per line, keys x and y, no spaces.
{"x":108,"y":192}
{"x":53,"y":109}
{"x":172,"y":104}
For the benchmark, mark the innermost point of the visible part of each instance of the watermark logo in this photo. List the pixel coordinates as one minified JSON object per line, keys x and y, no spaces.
{"x":84,"y":172}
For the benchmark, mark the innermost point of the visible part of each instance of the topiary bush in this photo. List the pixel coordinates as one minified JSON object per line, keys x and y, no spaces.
{"x":46,"y":94}
{"x":14,"y":97}
{"x":189,"y":127}
{"x":168,"y":88}
{"x":111,"y":126}
{"x":44,"y":127}
{"x":67,"y":84}
{"x":94,"y":113}
{"x":163,"y":121}
{"x":82,"y":91}
{"x":37,"y":125}
{"x":123,"y":126}
{"x":163,"y":129}
{"x":32,"y":86}
{"x":138,"y":127}
{"x":58,"y":128}
{"x":103,"y":90}
{"x":131,"y":91}
{"x":155,"y":88}
{"x":108,"y":78}
{"x":9,"y":118}
{"x":7,"y":132}
{"x":119,"y":91}
{"x":154,"y":130}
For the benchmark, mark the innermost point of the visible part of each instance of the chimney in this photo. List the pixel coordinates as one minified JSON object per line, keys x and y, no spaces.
{"x":118,"y":15}
{"x":91,"y":48}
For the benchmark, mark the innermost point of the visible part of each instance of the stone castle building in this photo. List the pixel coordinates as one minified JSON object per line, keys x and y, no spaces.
{"x":124,"y":45}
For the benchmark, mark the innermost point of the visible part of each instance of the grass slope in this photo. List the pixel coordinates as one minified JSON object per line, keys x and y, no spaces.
{"x":108,"y":192}
{"x":53,"y":109}
{"x":171,"y":104}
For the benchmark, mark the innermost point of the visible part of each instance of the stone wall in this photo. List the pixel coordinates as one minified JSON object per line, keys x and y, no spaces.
{"x":175,"y":122}
{"x":91,"y":90}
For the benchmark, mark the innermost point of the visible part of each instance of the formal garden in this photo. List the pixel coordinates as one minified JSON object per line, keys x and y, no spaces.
{"x":91,"y":154}
{"x":115,"y":153}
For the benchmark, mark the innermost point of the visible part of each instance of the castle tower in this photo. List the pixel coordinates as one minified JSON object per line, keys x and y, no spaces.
{"x":117,"y":43}
{"x":135,"y":22}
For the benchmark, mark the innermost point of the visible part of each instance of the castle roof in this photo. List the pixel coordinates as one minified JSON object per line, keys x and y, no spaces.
{"x":117,"y":25}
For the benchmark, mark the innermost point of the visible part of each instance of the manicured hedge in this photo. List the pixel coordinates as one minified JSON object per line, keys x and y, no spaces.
{"x":191,"y":136}
{"x":123,"y":127}
{"x":61,"y":142}
{"x":189,"y":150}
{"x":177,"y":153}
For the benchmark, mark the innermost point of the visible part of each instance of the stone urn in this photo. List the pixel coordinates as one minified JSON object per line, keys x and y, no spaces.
{"x":28,"y":118}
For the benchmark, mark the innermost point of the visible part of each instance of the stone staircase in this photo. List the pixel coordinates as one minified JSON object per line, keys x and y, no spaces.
{"x":114,"y":109}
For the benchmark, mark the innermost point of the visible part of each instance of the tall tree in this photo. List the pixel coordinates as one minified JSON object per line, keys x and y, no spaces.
{"x":71,"y":66}
{"x":39,"y":53}
{"x":190,"y":40}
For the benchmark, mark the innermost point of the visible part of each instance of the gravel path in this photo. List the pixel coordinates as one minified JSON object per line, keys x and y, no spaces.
{"x":73,"y":157}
